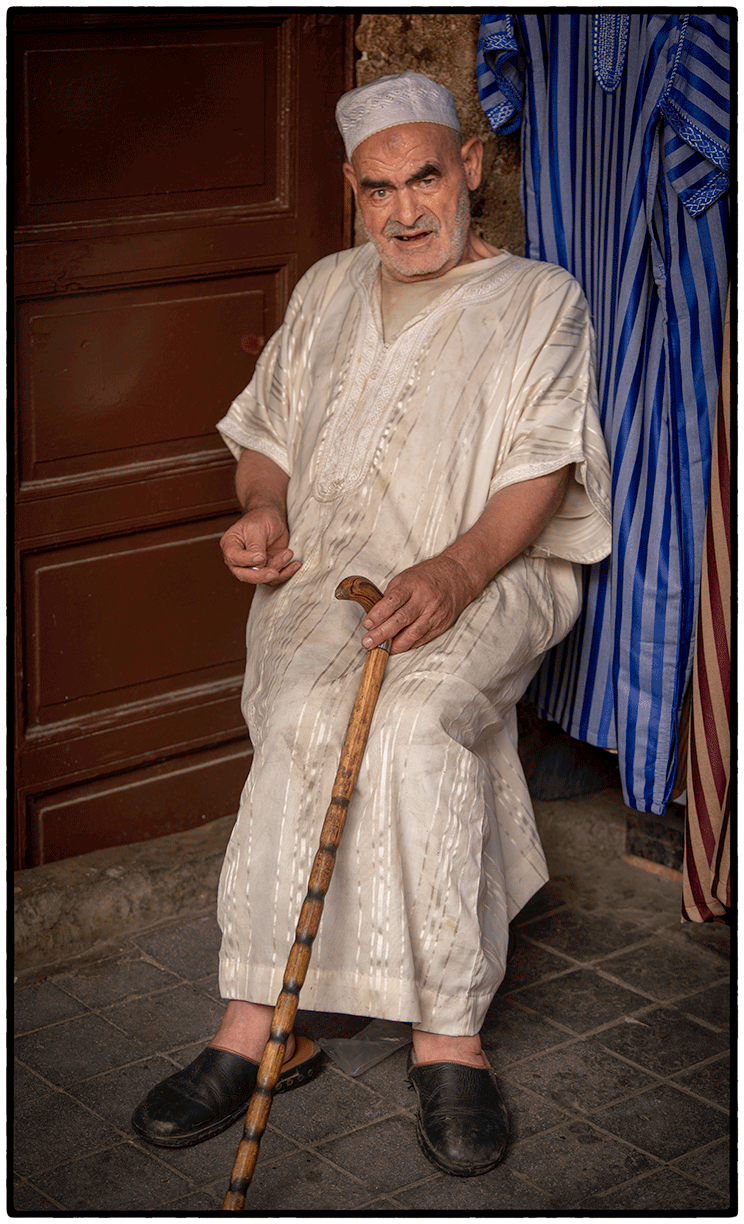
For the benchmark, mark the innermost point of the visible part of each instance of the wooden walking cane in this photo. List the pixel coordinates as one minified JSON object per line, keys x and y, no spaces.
{"x":365,"y":593}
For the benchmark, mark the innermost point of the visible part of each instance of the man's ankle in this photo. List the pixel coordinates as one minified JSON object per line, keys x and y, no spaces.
{"x":440,"y":1047}
{"x":245,"y":1030}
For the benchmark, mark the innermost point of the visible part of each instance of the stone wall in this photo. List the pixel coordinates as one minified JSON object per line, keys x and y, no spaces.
{"x":443,"y":46}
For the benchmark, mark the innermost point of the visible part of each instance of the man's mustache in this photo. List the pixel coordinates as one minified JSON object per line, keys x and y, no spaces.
{"x":427,"y":223}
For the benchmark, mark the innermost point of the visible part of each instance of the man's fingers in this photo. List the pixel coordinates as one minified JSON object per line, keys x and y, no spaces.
{"x":414,"y":633}
{"x":239,"y":555}
{"x":384,"y":608}
{"x":411,"y":614}
{"x":255,"y":549}
{"x":287,"y":571}
{"x":244,"y":558}
{"x":403,"y":618}
{"x":271,"y":573}
{"x":419,"y":605}
{"x":268,"y":575}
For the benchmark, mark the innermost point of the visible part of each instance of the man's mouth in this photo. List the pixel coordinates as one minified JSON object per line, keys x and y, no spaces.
{"x":419,"y":236}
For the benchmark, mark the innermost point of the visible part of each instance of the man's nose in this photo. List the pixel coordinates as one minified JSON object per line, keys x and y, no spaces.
{"x":407,"y":207}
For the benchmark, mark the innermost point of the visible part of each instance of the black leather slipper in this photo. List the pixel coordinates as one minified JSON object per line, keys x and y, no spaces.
{"x":462,"y":1123}
{"x":210,"y":1094}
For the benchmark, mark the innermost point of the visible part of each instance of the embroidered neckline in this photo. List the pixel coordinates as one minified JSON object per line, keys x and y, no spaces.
{"x":610,"y":39}
{"x":378,"y":373}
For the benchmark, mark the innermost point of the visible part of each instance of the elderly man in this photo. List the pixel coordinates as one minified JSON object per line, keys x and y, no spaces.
{"x":425,"y":416}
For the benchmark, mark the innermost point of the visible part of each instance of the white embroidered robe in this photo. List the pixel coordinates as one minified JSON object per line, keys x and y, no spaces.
{"x":393,"y":451}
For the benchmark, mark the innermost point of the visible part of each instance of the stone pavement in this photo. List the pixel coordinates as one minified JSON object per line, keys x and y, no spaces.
{"x":609,"y":1036}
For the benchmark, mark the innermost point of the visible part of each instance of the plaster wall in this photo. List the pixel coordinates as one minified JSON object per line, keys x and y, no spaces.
{"x":443,"y":46}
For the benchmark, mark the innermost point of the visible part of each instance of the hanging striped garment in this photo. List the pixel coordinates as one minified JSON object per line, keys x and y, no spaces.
{"x":625,"y":147}
{"x":706,"y":887}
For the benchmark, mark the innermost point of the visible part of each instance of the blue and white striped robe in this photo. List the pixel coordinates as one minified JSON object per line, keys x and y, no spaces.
{"x":625,"y":145}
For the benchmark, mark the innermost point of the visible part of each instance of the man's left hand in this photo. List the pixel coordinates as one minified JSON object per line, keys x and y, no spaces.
{"x":419,"y":604}
{"x":426,"y":600}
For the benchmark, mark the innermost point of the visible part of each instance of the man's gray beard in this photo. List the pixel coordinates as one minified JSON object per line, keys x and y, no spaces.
{"x":457,"y":245}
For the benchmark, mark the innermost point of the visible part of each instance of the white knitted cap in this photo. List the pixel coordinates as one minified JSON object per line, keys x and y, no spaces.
{"x":404,"y":97}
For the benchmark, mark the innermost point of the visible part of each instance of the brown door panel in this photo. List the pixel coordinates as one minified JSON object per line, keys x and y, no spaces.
{"x":206,"y":716}
{"x":133,"y":500}
{"x":191,"y":247}
{"x":116,"y":378}
{"x":137,"y":122}
{"x":127,"y":620}
{"x":152,"y":802}
{"x":176,"y":171}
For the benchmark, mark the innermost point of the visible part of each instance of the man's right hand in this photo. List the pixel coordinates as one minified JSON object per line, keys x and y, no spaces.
{"x":255,"y":548}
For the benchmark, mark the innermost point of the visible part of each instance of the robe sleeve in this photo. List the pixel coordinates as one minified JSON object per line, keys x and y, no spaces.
{"x":256,"y":420}
{"x":553,"y":420}
{"x":500,"y":72}
{"x":695,"y":106}
{"x":264,"y":417}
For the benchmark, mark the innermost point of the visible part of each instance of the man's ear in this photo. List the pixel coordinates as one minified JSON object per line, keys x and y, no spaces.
{"x":350,"y":175}
{"x":471,"y":155}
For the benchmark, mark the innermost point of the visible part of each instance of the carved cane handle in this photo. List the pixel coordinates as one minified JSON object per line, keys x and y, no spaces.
{"x":360,"y":589}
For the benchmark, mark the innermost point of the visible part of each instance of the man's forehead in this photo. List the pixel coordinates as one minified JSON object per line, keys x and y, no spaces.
{"x":406,"y":142}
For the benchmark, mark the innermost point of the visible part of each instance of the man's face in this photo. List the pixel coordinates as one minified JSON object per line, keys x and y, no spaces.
{"x":411,"y":186}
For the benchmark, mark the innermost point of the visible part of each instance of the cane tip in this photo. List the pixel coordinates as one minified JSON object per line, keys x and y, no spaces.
{"x":233,"y":1201}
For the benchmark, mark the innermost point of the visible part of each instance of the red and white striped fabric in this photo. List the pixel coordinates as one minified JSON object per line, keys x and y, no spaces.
{"x":706,"y":885}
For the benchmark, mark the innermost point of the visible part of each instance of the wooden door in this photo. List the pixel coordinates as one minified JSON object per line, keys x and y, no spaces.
{"x":175,"y":172}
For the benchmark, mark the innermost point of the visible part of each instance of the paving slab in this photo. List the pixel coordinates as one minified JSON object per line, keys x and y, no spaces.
{"x":118,"y":1179}
{"x":306,"y":1183}
{"x":529,"y":962}
{"x":44,"y":1004}
{"x":711,"y":1166}
{"x":576,"y":1159}
{"x":385,"y":1156}
{"x":584,"y":935}
{"x":711,"y":1006}
{"x":711,"y":1081}
{"x":663,"y":1041}
{"x":50,"y":1128}
{"x":675,"y":968}
{"x":661,"y":1193}
{"x":76,"y":1049}
{"x":184,"y":1012}
{"x":112,"y":981}
{"x":529,"y":1114}
{"x":502,"y":1190}
{"x":664,"y":1121}
{"x":581,"y":1076}
{"x":581,"y":1000}
{"x":511,"y":1033}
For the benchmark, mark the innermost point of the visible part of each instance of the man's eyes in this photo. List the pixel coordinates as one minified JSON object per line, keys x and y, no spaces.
{"x":382,"y":193}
